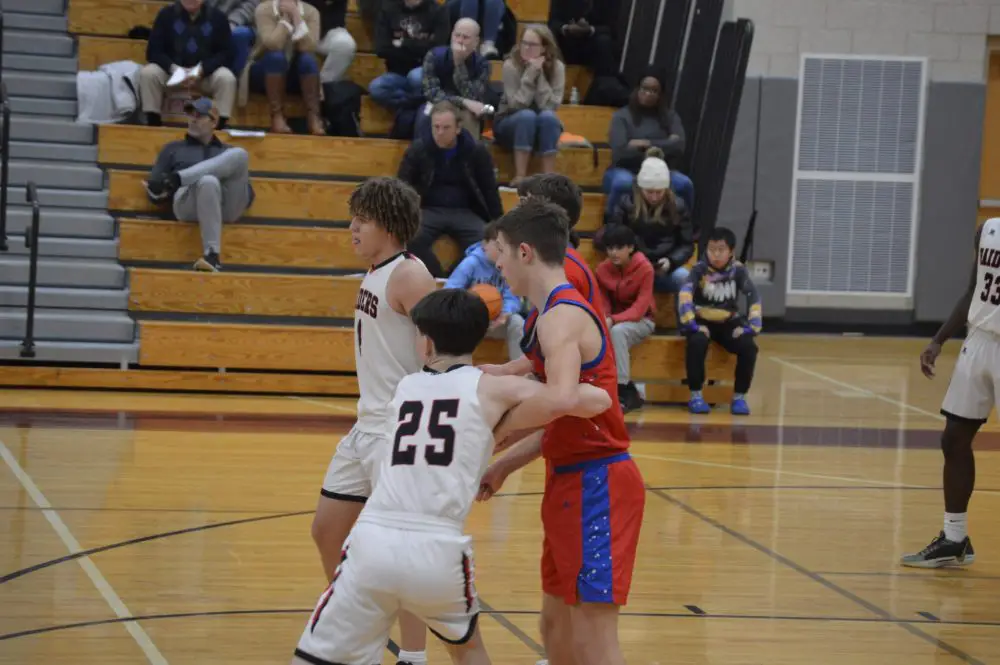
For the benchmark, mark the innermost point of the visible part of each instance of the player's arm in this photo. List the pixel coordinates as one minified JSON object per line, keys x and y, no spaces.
{"x":517,"y":367}
{"x":518,"y":456}
{"x":408,"y":284}
{"x":958,"y":317}
{"x":506,"y":393}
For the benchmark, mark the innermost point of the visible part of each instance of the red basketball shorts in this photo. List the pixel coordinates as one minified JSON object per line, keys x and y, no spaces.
{"x":591,"y":518}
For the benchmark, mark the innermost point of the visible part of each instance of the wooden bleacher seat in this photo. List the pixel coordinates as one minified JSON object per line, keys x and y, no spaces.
{"x":115,"y":18}
{"x":591,"y":122}
{"x":297,"y":348}
{"x":273,"y":246}
{"x":121,"y":145}
{"x":311,"y":200}
{"x":93,"y":52}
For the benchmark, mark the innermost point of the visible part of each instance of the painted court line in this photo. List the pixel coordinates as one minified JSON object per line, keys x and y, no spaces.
{"x":856,"y":388}
{"x":779,"y":472}
{"x":153,"y":654}
{"x":325,"y":405}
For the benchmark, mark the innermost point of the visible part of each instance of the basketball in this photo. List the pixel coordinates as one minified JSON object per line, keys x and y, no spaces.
{"x":491,"y":296}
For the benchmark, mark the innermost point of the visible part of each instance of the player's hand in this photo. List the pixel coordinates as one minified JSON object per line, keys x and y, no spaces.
{"x":491,"y":482}
{"x":493,"y":370}
{"x":928,"y":358}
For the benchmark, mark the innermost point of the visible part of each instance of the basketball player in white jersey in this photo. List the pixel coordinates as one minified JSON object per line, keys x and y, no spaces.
{"x":408,"y":550}
{"x":385,"y":215}
{"x":972,"y":394}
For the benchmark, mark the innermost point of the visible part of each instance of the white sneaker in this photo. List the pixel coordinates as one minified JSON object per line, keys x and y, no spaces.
{"x":487,"y":50}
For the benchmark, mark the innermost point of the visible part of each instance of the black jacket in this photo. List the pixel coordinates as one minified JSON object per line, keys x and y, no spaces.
{"x":656,"y":240}
{"x":599,"y":13}
{"x":420,"y":29}
{"x":417,"y":169}
{"x":174,"y":28}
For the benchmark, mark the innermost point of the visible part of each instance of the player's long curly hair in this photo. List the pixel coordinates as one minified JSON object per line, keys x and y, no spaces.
{"x":389,"y":202}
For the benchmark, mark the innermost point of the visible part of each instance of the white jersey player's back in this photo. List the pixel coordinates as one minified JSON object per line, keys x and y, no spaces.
{"x":984,"y":311}
{"x":385,"y":344}
{"x":440,"y":449}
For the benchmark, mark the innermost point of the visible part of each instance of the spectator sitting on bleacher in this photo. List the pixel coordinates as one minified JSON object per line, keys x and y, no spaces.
{"x":458,"y":74}
{"x":647,"y":122}
{"x":454,"y":175}
{"x":533,"y":81}
{"x":284,"y":60}
{"x":493,"y":12}
{"x":240,"y":14}
{"x":480,"y":267}
{"x":405,"y":31}
{"x":626,"y":279}
{"x":207,"y":180}
{"x":710,"y":312}
{"x":337,"y":46}
{"x":661,"y":223}
{"x":582,"y":29}
{"x":193,"y":37}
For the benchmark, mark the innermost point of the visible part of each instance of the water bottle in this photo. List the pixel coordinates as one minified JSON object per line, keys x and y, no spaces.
{"x":574,"y":96}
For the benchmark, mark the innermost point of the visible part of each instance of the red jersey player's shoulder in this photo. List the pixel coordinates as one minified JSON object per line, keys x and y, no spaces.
{"x":409,"y":282}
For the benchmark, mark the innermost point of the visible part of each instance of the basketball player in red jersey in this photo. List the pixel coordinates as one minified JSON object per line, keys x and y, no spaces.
{"x":594,"y":494}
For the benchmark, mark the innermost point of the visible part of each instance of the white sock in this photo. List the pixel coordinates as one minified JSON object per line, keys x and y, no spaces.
{"x":414,"y":657}
{"x":956,"y":526}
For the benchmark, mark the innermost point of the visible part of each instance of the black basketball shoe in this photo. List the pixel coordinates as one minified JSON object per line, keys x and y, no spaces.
{"x":941,"y":552}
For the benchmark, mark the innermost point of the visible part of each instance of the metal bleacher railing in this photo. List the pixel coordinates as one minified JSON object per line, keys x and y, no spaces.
{"x":31,"y":235}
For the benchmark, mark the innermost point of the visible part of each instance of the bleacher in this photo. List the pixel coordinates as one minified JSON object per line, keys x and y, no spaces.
{"x":277,"y":319}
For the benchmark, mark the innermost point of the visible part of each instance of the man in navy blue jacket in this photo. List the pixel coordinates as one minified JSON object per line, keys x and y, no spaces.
{"x":192,"y":36}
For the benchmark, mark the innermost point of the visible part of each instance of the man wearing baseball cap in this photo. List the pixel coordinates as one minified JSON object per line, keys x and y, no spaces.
{"x":206,"y":180}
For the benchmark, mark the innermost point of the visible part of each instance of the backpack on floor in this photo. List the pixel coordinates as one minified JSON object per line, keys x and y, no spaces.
{"x":342,"y":108}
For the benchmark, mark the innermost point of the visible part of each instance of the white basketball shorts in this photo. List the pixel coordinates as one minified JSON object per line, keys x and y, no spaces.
{"x":429,"y":573}
{"x":353,"y":471}
{"x":975,"y":383}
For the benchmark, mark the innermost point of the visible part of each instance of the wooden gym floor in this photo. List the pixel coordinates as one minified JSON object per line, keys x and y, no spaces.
{"x":157,"y":528}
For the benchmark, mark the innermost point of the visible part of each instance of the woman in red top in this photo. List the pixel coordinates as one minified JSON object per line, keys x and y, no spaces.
{"x":626,"y":285}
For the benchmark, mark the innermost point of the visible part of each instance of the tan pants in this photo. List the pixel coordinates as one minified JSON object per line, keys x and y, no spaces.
{"x":220,"y":86}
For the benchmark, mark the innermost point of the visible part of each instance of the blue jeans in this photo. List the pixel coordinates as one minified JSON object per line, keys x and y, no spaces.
{"x":619,"y":181}
{"x":395,"y":90}
{"x":493,"y":12}
{"x":274,"y":62}
{"x":672,"y":283}
{"x":243,"y":38}
{"x":529,"y":131}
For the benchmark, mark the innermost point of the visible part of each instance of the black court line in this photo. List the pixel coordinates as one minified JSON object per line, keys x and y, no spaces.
{"x":957,"y":573}
{"x":498,"y":615}
{"x":841,"y":591}
{"x":694,"y":609}
{"x":928,"y":615}
{"x":142,"y":539}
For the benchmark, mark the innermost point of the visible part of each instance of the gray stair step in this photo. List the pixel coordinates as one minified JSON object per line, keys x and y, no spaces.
{"x":68,"y":324}
{"x":65,"y":108}
{"x":74,"y":248}
{"x":62,"y":222}
{"x":42,"y":22}
{"x":28,"y":41}
{"x":57,"y":7}
{"x":66,"y":152}
{"x":33,"y":84}
{"x":63,"y":298}
{"x":72,"y":352}
{"x":56,"y":197}
{"x":50,"y":130}
{"x":80,"y":273}
{"x":53,"y":174}
{"x":39,"y":63}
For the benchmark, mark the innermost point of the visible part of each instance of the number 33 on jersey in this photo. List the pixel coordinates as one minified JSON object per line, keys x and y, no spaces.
{"x":983,"y":311}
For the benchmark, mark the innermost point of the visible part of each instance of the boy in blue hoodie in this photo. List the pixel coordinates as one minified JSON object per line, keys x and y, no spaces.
{"x":479,"y":267}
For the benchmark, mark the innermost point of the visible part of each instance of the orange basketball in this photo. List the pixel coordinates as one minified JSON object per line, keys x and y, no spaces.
{"x":491,"y":296}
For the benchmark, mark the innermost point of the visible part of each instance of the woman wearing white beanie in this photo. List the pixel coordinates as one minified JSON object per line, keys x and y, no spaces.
{"x":661,"y":222}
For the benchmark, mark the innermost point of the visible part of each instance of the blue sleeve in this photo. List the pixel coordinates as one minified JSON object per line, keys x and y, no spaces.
{"x":461,"y":277}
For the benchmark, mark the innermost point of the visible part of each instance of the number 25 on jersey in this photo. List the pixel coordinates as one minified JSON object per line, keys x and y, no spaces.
{"x":437,"y":439}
